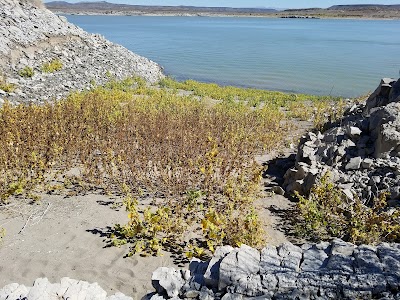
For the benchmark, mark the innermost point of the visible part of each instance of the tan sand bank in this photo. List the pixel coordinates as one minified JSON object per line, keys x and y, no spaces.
{"x":65,"y":237}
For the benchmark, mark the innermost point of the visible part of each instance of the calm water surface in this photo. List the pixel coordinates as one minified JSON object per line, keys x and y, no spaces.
{"x":338,"y":57}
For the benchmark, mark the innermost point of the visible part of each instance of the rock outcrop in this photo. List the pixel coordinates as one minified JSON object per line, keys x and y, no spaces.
{"x":336,"y":270}
{"x":67,"y":289}
{"x":31,"y":36}
{"x":362,"y":151}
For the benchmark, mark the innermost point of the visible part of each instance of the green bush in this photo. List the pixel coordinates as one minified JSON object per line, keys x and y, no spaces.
{"x":52,"y":66}
{"x":26,"y":72}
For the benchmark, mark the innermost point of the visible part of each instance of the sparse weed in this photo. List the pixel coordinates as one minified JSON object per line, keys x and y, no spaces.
{"x":52,"y":66}
{"x":252,"y":97}
{"x":326,"y":213}
{"x":7,"y":87}
{"x":26,"y":72}
{"x":319,"y":112}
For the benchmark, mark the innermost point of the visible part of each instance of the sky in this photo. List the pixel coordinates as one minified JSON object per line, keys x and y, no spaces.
{"x":250,"y":3}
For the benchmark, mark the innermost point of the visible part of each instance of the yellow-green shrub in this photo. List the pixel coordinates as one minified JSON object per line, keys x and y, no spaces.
{"x":7,"y":87}
{"x":326,"y":213}
{"x":26,"y":72}
{"x":52,"y":66}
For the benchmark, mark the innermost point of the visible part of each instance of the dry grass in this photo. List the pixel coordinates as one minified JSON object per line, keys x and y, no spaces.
{"x":195,"y":160}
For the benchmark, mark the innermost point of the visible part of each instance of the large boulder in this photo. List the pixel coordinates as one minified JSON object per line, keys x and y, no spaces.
{"x":385,"y":130}
{"x":380,"y":97}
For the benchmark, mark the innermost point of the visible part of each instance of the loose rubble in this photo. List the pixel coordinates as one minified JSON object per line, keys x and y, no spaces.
{"x":361,"y":152}
{"x":31,"y":36}
{"x":335,"y":270}
{"x":66,"y":289}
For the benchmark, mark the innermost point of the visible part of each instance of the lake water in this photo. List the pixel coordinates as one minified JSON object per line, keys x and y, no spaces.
{"x":338,"y":57}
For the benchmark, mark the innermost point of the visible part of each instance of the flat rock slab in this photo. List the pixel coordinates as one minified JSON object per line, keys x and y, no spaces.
{"x":335,"y":270}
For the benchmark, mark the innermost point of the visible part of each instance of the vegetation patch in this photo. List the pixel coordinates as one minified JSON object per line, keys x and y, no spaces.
{"x":326,"y":213}
{"x":319,"y":109}
{"x":7,"y":87}
{"x":184,"y":167}
{"x":52,"y":66}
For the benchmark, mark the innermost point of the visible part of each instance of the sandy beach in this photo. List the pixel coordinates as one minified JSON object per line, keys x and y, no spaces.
{"x":66,"y":237}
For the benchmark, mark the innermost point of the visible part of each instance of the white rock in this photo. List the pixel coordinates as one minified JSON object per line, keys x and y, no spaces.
{"x":168,"y":280}
{"x":354,"y":163}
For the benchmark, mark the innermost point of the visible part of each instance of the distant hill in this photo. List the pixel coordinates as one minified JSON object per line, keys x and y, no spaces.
{"x":357,"y":11}
{"x":365,"y":7}
{"x":106,"y":6}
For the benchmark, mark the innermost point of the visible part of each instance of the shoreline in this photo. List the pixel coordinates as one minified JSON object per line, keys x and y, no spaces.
{"x":217,"y":15}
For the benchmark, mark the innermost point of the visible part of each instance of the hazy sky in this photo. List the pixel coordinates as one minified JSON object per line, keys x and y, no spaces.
{"x":250,"y":3}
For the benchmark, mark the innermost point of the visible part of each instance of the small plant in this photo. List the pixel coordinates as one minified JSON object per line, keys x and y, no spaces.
{"x":109,"y":74}
{"x":26,"y":72}
{"x":7,"y":87}
{"x":52,"y":66}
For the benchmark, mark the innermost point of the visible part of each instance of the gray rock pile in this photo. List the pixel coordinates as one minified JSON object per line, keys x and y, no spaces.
{"x":361,"y":152}
{"x":31,"y":36}
{"x":68,"y":288}
{"x":336,"y":270}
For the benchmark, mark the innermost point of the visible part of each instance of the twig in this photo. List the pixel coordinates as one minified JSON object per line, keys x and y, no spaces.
{"x":45,"y":211}
{"x":26,"y":223}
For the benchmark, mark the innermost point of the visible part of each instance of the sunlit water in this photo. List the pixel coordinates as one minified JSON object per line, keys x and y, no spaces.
{"x":338,"y":57}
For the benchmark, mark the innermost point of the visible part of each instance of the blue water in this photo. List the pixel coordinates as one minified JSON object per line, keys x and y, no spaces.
{"x":338,"y":57}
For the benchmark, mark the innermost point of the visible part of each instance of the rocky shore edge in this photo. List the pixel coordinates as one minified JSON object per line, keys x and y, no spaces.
{"x":361,"y":151}
{"x":326,"y":270}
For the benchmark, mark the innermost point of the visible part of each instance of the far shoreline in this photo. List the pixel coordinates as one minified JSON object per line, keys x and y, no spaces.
{"x":210,"y":15}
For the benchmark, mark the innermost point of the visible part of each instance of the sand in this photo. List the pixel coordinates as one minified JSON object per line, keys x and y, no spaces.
{"x":65,"y":237}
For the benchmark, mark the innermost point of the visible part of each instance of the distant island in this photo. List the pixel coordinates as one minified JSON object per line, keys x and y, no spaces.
{"x":367,"y":11}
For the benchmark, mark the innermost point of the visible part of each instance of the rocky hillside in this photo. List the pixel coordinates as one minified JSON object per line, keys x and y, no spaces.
{"x":44,"y":57}
{"x":361,"y":152}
